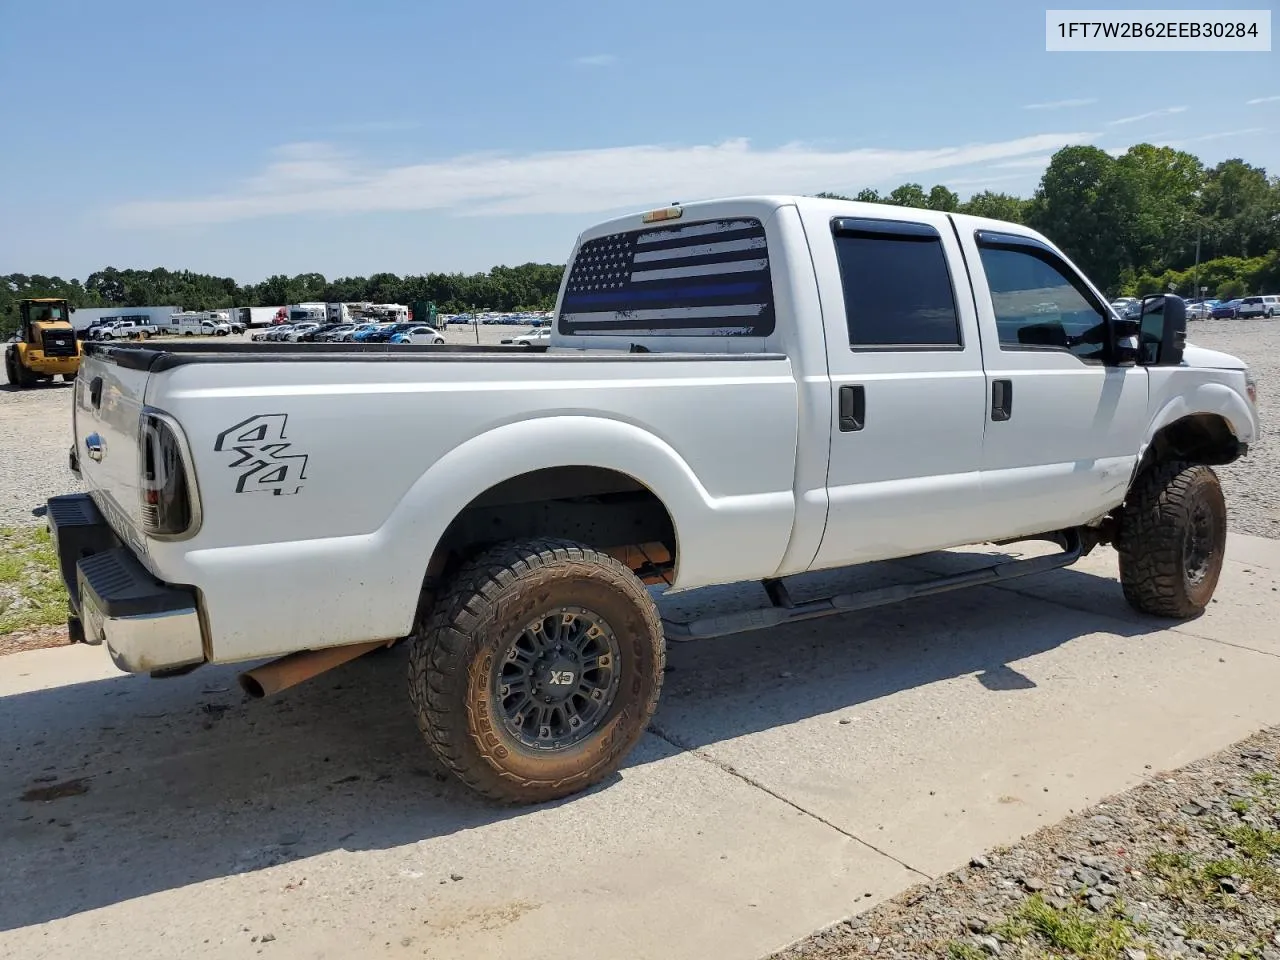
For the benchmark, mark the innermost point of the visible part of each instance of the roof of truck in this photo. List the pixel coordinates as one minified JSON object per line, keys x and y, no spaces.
{"x":762,"y":206}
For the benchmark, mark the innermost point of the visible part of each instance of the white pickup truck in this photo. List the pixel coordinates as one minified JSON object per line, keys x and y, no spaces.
{"x":736,"y":390}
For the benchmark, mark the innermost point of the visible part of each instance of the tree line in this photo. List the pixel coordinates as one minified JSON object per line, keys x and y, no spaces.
{"x":1131,"y":222}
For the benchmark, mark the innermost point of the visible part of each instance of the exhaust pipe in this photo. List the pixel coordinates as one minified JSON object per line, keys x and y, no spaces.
{"x":291,"y":670}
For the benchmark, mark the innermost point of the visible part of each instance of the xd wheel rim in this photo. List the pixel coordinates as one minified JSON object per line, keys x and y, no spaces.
{"x":557,"y":678}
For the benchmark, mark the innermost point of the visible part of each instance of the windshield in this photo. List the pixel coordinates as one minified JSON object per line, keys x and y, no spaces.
{"x":47,"y":312}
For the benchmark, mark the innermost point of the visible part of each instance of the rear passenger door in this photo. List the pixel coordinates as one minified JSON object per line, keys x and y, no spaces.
{"x":1063,"y":422}
{"x":906,"y":381}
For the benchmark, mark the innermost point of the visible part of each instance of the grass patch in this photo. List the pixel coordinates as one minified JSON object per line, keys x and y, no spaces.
{"x":1257,"y":843}
{"x":1071,"y":931}
{"x":958,"y":950}
{"x":31,"y":591}
{"x":1177,"y":870}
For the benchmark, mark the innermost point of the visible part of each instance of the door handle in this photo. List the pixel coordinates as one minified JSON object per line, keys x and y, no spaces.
{"x":853,"y":408}
{"x":1001,"y":399}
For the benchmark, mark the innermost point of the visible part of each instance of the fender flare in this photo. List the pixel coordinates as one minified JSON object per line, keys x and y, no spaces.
{"x":415,"y":527}
{"x":1214,"y":399}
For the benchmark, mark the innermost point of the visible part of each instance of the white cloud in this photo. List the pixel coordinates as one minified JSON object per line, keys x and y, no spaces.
{"x":317,"y":178}
{"x":596,"y":60}
{"x":1060,"y":104}
{"x":1162,"y":112}
{"x":1257,"y":100}
{"x":1025,"y":163}
{"x":1211,"y":136}
{"x":983,"y":181}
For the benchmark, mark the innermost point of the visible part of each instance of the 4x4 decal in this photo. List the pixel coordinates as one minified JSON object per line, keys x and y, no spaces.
{"x":263,"y":464}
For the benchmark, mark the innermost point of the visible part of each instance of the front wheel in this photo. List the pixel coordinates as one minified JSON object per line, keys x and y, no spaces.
{"x":538,"y":671}
{"x":1173,"y":540}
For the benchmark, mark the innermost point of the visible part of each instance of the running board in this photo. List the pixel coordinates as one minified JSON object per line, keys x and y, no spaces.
{"x":784,"y":610}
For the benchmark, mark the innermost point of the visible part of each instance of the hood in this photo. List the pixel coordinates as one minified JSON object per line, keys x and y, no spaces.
{"x":1194,"y":356}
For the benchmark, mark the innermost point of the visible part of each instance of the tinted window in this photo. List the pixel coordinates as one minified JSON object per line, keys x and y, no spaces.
{"x":696,"y":279}
{"x":1038,"y":307}
{"x":897,"y":289}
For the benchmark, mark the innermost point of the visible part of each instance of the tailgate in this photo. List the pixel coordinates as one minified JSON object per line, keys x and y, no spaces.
{"x":107,"y":413}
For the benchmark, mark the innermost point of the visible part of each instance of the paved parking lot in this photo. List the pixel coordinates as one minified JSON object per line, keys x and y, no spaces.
{"x":790,"y":779}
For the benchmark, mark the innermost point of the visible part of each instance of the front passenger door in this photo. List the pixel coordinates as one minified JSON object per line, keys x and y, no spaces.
{"x":1064,"y":423}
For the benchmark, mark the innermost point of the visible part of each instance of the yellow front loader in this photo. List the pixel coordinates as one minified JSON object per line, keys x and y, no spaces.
{"x":46,"y":346}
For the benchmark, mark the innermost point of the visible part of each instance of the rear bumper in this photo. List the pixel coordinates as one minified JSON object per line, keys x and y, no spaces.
{"x":146,"y":625}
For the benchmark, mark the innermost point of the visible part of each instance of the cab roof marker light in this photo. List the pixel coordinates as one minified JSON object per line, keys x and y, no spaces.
{"x":666,"y":213}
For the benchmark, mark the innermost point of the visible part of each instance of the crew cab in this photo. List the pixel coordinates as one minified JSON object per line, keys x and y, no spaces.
{"x":734,"y":390}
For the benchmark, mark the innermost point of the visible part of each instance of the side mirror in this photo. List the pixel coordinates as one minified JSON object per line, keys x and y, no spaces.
{"x":1165,"y":317}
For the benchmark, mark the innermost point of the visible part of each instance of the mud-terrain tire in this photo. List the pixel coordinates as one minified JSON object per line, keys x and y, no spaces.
{"x":1172,"y":540}
{"x":515,"y":621}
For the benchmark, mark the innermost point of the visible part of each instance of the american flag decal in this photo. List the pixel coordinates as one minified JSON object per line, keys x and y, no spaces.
{"x":708,"y":279}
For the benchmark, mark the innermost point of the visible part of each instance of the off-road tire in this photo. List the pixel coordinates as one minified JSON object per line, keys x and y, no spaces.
{"x":1158,"y":540}
{"x":18,"y":375}
{"x":489,"y":601}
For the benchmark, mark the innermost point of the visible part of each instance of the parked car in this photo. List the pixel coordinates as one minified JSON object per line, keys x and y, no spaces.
{"x":301,"y":331}
{"x":510,"y":520}
{"x":126,"y":330}
{"x":418,"y":333}
{"x":1226,"y":311}
{"x":538,"y":337}
{"x":385,"y":331}
{"x":1198,"y":310}
{"x":278,"y":332}
{"x":333,"y":332}
{"x":1265,"y":306}
{"x":359,"y":330}
{"x":374,"y":333}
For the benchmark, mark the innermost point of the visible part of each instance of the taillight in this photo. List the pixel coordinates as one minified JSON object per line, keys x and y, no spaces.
{"x":168,"y":506}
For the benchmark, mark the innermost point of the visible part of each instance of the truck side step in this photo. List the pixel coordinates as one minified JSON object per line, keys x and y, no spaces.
{"x":783,"y":610}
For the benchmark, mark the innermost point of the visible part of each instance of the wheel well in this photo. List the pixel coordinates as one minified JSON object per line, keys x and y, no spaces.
{"x":1201,"y":438}
{"x":601,"y":508}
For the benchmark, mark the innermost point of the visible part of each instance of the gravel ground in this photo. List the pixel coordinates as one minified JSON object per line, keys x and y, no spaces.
{"x":35,"y":430}
{"x":1186,"y":865}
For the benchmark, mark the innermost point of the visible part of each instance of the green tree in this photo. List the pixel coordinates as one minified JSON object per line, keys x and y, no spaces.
{"x":996,"y":206}
{"x":1242,"y":209}
{"x":1231,"y":289}
{"x":908,"y":195}
{"x":940,"y":198}
{"x":1084,"y":208}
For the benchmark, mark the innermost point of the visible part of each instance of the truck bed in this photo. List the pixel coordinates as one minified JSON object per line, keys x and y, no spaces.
{"x":156,"y":358}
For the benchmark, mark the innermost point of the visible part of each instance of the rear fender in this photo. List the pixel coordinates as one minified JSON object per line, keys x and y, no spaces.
{"x":719,"y":539}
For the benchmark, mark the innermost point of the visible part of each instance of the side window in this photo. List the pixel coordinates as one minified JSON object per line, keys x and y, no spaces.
{"x":897,"y":288}
{"x":1040,"y":307}
{"x":700,"y":279}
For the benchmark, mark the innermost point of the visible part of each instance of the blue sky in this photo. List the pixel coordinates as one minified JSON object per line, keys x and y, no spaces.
{"x":247,"y":139}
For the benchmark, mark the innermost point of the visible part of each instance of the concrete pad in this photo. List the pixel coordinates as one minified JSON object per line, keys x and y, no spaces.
{"x":1245,"y":609}
{"x":972,"y":718}
{"x":318,"y":818}
{"x":747,"y":819}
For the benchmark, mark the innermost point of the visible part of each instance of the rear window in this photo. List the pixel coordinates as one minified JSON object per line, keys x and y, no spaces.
{"x":1251,"y":300}
{"x":704,"y":279}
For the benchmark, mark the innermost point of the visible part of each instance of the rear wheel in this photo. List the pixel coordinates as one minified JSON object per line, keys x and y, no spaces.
{"x":1173,"y":540}
{"x":538,"y":671}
